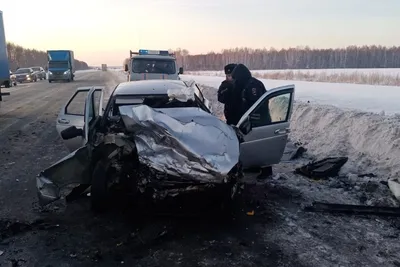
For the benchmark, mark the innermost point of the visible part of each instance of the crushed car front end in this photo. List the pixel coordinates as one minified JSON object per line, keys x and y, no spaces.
{"x":161,"y":152}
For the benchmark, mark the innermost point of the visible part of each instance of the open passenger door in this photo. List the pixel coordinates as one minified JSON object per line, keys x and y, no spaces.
{"x":85,"y":102}
{"x":269,"y":119}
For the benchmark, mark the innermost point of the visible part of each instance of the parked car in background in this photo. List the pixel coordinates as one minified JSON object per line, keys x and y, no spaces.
{"x":39,"y":72}
{"x":13,"y":78}
{"x":25,"y":75}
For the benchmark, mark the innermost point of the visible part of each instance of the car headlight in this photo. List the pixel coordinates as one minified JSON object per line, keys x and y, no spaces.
{"x":27,"y":75}
{"x":50,"y":73}
{"x":66,"y":72}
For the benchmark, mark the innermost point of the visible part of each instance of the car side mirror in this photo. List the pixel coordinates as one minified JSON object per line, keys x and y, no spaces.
{"x":126,"y":67}
{"x":246,"y":126}
{"x":180,"y":70}
{"x":71,"y":132}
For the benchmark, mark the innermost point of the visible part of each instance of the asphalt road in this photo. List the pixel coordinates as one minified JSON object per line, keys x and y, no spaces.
{"x":278,"y":234}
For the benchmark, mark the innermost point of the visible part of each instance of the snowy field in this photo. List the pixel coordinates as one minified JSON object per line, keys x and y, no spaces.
{"x":370,"y":98}
{"x":386,"y":72}
{"x":356,"y":76}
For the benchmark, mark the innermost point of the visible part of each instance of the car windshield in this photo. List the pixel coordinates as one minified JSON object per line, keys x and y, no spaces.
{"x":153,"y":101}
{"x":36,"y":68}
{"x":58,"y":65}
{"x":160,"y":66}
{"x":23,"y":71}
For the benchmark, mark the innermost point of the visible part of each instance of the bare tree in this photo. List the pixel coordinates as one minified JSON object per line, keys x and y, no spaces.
{"x":294,"y":58}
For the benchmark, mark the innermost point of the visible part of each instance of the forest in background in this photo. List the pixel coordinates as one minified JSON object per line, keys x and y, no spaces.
{"x":19,"y":56}
{"x":293,"y":58}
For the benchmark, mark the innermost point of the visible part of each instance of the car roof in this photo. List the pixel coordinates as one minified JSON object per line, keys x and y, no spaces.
{"x":145,"y":87}
{"x":153,"y":57}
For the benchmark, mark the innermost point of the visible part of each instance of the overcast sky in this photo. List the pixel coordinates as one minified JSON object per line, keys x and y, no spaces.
{"x":103,"y":31}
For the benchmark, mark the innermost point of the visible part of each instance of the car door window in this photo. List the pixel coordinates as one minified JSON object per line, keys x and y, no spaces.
{"x":76,"y":106}
{"x":96,"y":102}
{"x":272,"y":110}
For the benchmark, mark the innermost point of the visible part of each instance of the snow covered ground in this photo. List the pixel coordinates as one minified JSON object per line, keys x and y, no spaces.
{"x":390,"y":77}
{"x":369,"y":98}
{"x":383,"y":71}
{"x":89,"y":70}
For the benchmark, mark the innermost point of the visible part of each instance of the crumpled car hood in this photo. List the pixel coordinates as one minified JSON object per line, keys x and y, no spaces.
{"x":188,"y":143}
{"x":185,"y":142}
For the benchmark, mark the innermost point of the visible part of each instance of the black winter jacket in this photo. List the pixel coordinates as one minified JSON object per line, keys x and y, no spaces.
{"x":229,"y":96}
{"x":250,"y":88}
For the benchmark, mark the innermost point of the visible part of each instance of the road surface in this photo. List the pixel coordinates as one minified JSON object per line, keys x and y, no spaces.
{"x":278,"y":234}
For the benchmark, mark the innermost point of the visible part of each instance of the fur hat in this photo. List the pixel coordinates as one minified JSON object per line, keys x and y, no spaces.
{"x":229,"y":68}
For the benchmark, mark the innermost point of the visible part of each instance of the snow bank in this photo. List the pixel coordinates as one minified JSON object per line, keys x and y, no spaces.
{"x":370,"y":140}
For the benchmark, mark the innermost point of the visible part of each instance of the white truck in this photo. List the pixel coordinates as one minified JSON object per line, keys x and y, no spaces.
{"x":5,"y":77}
{"x":152,"y":65}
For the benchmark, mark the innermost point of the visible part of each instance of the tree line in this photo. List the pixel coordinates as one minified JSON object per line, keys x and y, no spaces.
{"x":293,"y":58}
{"x":20,"y":57}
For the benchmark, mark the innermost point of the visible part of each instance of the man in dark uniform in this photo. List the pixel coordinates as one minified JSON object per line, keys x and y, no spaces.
{"x":251,"y":89}
{"x":231,"y":98}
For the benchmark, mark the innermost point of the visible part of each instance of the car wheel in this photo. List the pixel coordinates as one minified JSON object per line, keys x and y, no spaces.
{"x":15,"y":83}
{"x":50,"y":81}
{"x":100,"y":195}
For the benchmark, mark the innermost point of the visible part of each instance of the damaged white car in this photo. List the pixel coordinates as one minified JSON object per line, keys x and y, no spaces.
{"x":160,"y":138}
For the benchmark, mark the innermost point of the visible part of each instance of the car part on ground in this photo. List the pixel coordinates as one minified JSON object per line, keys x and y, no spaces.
{"x":328,"y":167}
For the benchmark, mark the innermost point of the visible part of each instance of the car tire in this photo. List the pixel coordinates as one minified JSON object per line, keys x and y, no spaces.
{"x":50,"y":81}
{"x":7,"y":84}
{"x":100,"y":195}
